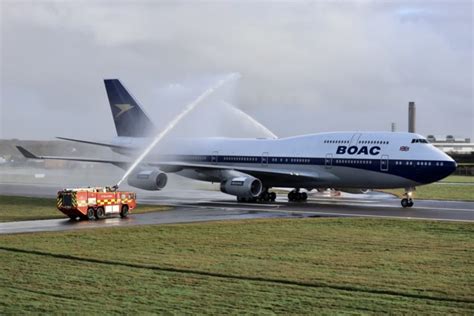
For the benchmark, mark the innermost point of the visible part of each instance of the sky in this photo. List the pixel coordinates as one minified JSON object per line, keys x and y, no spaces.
{"x":305,"y":66}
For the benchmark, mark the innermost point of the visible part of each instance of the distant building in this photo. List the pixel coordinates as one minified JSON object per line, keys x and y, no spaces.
{"x":447,"y":139}
{"x":451,"y":144}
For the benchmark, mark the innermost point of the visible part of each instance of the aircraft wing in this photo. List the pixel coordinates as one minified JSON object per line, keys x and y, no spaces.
{"x":93,"y":143}
{"x":263,"y":173}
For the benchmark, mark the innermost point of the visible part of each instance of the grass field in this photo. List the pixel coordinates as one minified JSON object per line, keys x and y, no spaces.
{"x":301,"y":266}
{"x":439,"y":191}
{"x":458,"y":179}
{"x":15,"y":208}
{"x":450,"y":188}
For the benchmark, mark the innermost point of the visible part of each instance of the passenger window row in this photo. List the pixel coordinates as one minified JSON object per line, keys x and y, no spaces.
{"x":301,"y":160}
{"x":239,"y":159}
{"x":351,"y":161}
{"x":418,"y":163}
{"x":336,"y":142}
{"x":423,"y":163}
{"x":381,"y":142}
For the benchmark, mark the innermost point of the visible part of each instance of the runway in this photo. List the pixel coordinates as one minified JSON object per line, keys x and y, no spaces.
{"x":202,"y":205}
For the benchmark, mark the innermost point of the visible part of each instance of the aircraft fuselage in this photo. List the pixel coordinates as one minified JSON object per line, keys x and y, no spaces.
{"x":338,"y":160}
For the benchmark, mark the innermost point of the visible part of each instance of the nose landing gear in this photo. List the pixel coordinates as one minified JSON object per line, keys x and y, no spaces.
{"x":407,"y":201}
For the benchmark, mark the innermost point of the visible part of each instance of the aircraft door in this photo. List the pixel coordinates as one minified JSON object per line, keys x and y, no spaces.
{"x":214,"y":157}
{"x":265,"y":159}
{"x":355,"y":139}
{"x":384,"y":163}
{"x":328,"y":161}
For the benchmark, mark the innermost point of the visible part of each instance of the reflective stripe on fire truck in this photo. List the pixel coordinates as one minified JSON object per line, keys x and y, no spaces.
{"x":74,"y":199}
{"x":109,"y":201}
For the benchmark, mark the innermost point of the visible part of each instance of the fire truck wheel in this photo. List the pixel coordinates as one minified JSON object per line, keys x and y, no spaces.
{"x":124,"y":212}
{"x":99,"y":213}
{"x":90,"y":214}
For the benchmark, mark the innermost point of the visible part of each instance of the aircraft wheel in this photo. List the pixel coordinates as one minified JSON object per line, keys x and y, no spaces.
{"x":273,"y":196}
{"x":99,"y":213}
{"x":410,"y":203}
{"x":90,"y":214}
{"x":292,"y":196}
{"x":299,"y":197}
{"x":124,"y":212}
{"x":266,"y":197}
{"x":405,"y":203}
{"x":304,"y":196}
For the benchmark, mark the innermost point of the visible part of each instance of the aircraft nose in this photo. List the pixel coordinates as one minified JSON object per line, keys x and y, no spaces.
{"x":445,"y":165}
{"x":451,"y":166}
{"x":437,"y":171}
{"x":446,"y":168}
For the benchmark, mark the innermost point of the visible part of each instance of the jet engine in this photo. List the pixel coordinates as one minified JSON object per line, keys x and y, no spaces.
{"x":150,"y":180}
{"x":244,"y":187}
{"x":354,"y":191}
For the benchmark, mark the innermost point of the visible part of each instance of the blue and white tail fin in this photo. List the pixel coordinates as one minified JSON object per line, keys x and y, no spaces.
{"x":129,"y":118}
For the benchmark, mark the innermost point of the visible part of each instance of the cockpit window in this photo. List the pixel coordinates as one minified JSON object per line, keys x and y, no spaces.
{"x":419,"y":140}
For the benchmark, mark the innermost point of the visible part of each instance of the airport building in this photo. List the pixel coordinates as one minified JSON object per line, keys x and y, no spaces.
{"x":451,"y":144}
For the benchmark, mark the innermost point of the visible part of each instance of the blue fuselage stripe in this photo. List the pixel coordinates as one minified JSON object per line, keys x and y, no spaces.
{"x":421,"y":171}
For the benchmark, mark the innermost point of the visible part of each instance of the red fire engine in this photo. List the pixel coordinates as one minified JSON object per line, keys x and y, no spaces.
{"x":99,"y":202}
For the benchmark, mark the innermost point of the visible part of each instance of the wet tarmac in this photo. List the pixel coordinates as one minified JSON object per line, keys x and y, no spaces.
{"x":201,"y":206}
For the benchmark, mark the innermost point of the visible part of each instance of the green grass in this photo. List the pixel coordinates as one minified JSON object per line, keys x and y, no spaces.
{"x":458,"y":179}
{"x":17,"y":208}
{"x":298,"y":266}
{"x":437,"y":191}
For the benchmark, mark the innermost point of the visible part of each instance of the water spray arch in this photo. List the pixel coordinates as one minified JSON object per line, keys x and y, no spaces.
{"x":175,"y":121}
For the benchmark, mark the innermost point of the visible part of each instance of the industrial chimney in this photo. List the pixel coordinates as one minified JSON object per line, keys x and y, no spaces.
{"x":411,"y":117}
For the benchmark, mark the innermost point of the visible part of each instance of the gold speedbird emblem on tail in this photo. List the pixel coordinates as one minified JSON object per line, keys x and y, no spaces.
{"x":124,"y":107}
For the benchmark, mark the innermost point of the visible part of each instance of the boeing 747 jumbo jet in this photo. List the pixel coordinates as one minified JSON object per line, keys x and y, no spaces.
{"x":247,"y":168}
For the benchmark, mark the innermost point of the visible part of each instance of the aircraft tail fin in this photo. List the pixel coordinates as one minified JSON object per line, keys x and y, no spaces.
{"x":129,"y":118}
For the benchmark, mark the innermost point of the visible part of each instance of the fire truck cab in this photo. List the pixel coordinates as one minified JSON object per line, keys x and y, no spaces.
{"x":95,"y":203}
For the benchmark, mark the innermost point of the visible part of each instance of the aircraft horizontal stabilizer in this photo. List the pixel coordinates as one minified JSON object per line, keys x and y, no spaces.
{"x":27,"y":154}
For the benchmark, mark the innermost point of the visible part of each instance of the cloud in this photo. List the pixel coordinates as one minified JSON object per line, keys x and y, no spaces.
{"x":306,"y":66}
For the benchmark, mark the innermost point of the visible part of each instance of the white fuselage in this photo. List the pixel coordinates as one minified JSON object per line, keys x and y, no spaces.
{"x":337,"y":160}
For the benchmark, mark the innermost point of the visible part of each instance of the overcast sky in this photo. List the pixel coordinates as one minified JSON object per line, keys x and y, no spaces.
{"x":306,"y":66}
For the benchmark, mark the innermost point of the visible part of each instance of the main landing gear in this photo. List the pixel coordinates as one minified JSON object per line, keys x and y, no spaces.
{"x":265,"y":196}
{"x":407,"y":201}
{"x":297,"y":196}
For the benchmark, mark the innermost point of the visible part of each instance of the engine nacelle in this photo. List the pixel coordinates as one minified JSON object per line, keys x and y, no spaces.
{"x":354,"y":191}
{"x":244,"y":187}
{"x":150,"y":180}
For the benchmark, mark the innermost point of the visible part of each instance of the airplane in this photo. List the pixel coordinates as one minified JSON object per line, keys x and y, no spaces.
{"x":247,"y":168}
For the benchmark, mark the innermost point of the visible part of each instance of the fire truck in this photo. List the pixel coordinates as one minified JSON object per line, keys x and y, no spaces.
{"x":95,"y":203}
